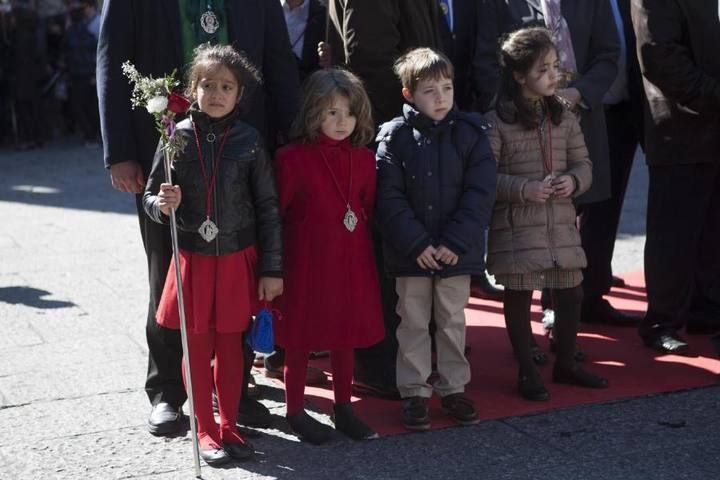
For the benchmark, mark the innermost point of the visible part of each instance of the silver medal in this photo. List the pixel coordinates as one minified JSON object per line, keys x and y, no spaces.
{"x":209,"y":22}
{"x":350,"y":219}
{"x":208,"y":230}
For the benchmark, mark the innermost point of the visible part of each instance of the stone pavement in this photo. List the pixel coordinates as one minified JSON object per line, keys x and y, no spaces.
{"x":73,"y":359}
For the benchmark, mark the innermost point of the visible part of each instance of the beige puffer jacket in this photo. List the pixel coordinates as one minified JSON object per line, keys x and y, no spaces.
{"x":528,"y":236}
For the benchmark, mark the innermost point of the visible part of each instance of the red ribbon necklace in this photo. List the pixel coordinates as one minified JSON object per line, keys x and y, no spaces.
{"x":208,"y":229}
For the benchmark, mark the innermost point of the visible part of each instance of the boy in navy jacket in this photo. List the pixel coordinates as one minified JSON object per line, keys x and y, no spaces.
{"x":436,"y":189}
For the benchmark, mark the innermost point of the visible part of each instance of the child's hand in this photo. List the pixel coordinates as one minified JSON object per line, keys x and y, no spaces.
{"x":563,"y":186}
{"x":426,"y":260}
{"x":170,"y":197}
{"x":538,"y":191}
{"x":446,"y":256}
{"x":324,"y":55}
{"x":269,"y":288}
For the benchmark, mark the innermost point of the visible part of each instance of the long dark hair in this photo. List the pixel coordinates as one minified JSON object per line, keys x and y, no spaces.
{"x":518,"y":54}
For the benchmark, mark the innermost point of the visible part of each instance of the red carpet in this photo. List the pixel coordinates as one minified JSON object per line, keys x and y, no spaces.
{"x":616,"y":353}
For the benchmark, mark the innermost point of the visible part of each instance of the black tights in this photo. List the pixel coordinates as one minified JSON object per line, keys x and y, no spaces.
{"x":567,"y":302}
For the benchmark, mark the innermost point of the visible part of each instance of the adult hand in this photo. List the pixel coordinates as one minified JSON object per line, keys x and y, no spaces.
{"x":324,"y":55}
{"x":269,"y":288}
{"x":571,"y":95}
{"x":426,"y":260}
{"x":538,"y":191}
{"x":170,"y":197}
{"x":127,"y":177}
{"x":563,"y":186}
{"x":446,"y":256}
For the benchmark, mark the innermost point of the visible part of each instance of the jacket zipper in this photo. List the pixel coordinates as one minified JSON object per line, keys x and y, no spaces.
{"x":216,"y":206}
{"x":549,"y":209}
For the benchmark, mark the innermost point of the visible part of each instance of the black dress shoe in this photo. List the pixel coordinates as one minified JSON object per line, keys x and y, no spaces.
{"x":480,"y":287}
{"x":165,"y":419}
{"x":215,"y":456}
{"x":602,"y":312}
{"x":240,"y":451}
{"x":252,"y":413}
{"x":308,"y":429}
{"x":617,"y":282}
{"x":667,"y":342}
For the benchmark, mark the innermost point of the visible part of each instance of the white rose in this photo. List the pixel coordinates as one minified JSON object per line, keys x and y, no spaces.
{"x":157,"y":104}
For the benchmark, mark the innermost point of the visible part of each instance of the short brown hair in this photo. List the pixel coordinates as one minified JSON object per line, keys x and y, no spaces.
{"x":422,"y":64}
{"x":318,"y":93}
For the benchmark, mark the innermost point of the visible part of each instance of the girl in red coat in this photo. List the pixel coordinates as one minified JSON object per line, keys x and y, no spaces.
{"x":326,"y":183}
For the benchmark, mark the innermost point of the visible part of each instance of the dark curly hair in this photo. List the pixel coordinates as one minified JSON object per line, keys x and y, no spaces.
{"x":208,"y":58}
{"x":518,"y":53}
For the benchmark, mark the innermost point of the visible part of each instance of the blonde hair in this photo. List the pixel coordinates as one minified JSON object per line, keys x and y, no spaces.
{"x":318,"y":93}
{"x":422,"y":64}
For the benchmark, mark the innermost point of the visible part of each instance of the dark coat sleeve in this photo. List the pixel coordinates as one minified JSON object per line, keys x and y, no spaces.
{"x":152,"y":187}
{"x":600,"y":70}
{"x":398,"y":223}
{"x":115,"y":45}
{"x":666,"y":60}
{"x":280,"y":71}
{"x":486,"y":69}
{"x":472,"y":217}
{"x":371,"y":39}
{"x":267,"y":214}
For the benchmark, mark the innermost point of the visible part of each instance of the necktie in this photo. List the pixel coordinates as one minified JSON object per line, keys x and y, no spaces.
{"x":556,"y":23}
{"x":446,"y":7}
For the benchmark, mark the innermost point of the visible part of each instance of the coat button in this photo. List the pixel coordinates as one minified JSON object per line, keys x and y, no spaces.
{"x":429,"y":207}
{"x":429,"y":174}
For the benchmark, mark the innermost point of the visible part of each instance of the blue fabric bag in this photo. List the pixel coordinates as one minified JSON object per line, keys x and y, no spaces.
{"x":260,"y":337}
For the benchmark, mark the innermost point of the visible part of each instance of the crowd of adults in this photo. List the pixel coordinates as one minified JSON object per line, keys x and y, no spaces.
{"x":641,"y":74}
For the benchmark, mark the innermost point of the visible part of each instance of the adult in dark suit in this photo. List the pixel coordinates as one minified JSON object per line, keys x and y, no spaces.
{"x":596,"y":46}
{"x":158,"y":37}
{"x":681,"y":74}
{"x":599,"y":221}
{"x":458,"y":30}
{"x":306,"y":27}
{"x":367,"y":36}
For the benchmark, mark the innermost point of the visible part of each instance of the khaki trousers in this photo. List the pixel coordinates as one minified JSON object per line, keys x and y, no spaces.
{"x":420,"y":299}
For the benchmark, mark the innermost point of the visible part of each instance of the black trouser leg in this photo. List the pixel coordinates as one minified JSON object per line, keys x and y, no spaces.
{"x":599,"y":221}
{"x":516,"y":307}
{"x":376,"y":364}
{"x":568,"y":302}
{"x":164,"y":381}
{"x":680,"y":230}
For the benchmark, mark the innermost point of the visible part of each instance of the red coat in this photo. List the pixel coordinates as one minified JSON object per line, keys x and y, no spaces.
{"x":332,"y":294}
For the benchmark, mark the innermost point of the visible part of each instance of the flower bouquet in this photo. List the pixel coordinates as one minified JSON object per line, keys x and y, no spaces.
{"x":160,"y":98}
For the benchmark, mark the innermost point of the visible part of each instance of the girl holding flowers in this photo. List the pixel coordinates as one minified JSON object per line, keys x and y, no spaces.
{"x":226,"y":205}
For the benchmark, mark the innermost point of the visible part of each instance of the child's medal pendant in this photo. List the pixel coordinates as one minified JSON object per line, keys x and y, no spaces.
{"x":209,"y":22}
{"x":350,"y":220}
{"x":208,"y":230}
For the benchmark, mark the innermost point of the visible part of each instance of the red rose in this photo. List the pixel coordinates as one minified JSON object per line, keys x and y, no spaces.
{"x":177,"y":103}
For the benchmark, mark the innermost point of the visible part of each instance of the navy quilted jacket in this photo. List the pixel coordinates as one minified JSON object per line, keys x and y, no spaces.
{"x":436,"y":186}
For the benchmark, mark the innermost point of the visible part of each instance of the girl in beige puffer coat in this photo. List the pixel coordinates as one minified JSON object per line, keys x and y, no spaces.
{"x":534,"y":242}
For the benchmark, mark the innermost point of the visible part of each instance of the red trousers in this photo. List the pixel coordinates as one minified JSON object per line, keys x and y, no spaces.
{"x":227,"y":379}
{"x":296,"y":362}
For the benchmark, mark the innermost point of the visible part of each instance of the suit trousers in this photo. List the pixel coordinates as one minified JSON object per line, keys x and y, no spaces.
{"x":682,"y":258}
{"x":599,"y":220}
{"x":421,"y":299}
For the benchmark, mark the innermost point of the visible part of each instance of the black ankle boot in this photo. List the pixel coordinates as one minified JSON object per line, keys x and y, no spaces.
{"x":578,"y":376}
{"x":309,"y":429}
{"x":531,"y":388}
{"x":349,"y":424}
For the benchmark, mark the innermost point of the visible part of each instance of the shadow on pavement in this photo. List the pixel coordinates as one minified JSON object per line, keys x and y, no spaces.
{"x":32,"y":297}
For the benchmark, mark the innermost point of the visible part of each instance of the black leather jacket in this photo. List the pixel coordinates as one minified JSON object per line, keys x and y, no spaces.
{"x":245,"y":203}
